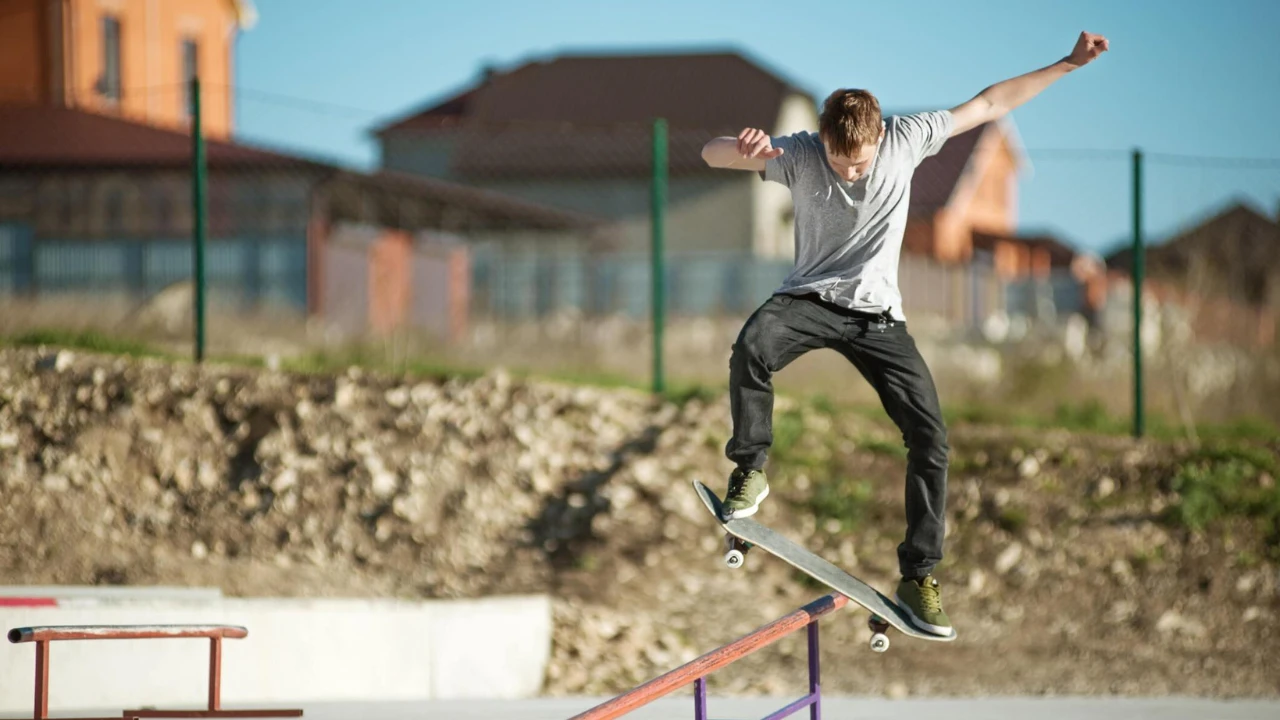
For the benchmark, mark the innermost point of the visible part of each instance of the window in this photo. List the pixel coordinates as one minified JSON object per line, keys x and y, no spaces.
{"x":190,"y":66}
{"x":109,"y":83}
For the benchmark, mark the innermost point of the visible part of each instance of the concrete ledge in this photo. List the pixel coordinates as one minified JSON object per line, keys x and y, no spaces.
{"x":297,"y":651}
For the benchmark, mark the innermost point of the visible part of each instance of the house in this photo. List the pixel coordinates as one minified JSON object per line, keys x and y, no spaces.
{"x":96,"y":189}
{"x":1222,"y":270}
{"x":573,"y":131}
{"x":124,"y":58}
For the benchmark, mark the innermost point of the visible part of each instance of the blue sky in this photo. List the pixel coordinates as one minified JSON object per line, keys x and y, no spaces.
{"x":1183,"y":77}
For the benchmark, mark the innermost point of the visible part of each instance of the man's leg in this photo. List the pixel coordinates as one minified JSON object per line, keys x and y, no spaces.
{"x":778,"y":332}
{"x":888,"y":358}
{"x":891,"y":362}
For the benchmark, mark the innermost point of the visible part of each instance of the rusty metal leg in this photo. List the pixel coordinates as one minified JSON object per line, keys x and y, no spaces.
{"x":700,"y":699}
{"x":815,"y":673}
{"x":42,"y":680}
{"x":215,"y":673}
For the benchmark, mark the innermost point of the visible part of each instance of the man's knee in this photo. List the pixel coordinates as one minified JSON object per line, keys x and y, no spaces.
{"x":928,"y":440}
{"x":754,"y":343}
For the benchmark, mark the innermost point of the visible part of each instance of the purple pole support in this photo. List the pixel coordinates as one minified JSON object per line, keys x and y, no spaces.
{"x":700,"y":699}
{"x":815,"y":684}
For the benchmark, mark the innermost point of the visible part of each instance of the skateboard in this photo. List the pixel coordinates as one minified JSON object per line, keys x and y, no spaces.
{"x":742,"y":534}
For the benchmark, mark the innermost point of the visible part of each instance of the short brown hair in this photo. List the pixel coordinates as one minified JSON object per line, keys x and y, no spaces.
{"x":850,"y":120}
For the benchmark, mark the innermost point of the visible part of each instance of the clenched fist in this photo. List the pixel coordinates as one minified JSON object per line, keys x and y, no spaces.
{"x":1088,"y":48}
{"x":754,"y":143}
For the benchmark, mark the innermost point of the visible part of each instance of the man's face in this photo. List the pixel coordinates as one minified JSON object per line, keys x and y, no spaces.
{"x":852,"y":167}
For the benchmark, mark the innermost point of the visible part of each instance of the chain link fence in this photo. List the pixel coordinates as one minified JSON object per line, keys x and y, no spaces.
{"x":474,"y":238}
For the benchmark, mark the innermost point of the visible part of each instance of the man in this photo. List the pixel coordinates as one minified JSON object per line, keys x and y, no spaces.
{"x":850,"y":184}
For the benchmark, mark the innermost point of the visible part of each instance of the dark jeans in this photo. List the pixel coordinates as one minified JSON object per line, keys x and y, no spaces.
{"x":786,"y":327}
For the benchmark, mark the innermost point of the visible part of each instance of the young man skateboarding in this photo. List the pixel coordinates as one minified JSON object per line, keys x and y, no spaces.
{"x":850,"y":184}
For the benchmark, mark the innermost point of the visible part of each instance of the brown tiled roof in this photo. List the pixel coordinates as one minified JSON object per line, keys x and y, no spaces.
{"x":1060,"y":253}
{"x":45,"y":136}
{"x":56,"y":138}
{"x":589,"y":117}
{"x":1235,"y":252}
{"x":715,"y":92}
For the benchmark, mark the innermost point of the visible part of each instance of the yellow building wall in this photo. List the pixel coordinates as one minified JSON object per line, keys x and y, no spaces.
{"x":151,"y":35}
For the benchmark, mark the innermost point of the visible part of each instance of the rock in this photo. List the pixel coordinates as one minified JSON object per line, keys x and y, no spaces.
{"x":59,"y":361}
{"x":345,"y":396}
{"x":1103,"y":488}
{"x":1247,"y":583}
{"x":1008,"y":558}
{"x":384,"y":484}
{"x":1120,"y":612}
{"x":897,"y":691}
{"x":8,"y":440}
{"x":1029,"y":467}
{"x":977,"y":581}
{"x":285,"y":480}
{"x":1171,"y":622}
{"x":1252,"y":613}
{"x":199,"y":551}
{"x":1265,"y":481}
{"x":397,"y":398}
{"x":56,"y":483}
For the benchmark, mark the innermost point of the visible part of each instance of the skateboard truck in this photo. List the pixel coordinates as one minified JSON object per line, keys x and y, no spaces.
{"x":735,"y":551}
{"x":879,"y":629}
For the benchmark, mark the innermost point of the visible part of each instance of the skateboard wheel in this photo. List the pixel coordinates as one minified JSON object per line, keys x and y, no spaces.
{"x":734,"y":559}
{"x":879,"y":642}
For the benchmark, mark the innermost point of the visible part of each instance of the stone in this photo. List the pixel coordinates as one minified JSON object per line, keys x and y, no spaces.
{"x":1008,"y":558}
{"x":1029,"y":467}
{"x":1103,"y":488}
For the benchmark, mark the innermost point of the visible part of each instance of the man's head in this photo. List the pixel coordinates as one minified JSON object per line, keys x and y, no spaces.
{"x":851,"y":129}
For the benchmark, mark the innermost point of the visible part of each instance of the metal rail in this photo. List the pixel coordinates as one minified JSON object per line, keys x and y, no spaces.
{"x":697,"y":670}
{"x":43,"y":635}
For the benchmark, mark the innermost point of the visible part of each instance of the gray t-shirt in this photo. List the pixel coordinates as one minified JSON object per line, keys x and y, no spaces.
{"x":849,"y":235}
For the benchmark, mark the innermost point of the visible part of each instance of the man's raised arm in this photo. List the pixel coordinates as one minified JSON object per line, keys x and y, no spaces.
{"x":996,"y":101}
{"x":748,"y":151}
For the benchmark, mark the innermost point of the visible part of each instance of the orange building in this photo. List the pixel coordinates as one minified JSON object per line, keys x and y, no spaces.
{"x":127,"y":58}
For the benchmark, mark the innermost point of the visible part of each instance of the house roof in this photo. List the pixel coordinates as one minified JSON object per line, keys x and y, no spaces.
{"x":41,"y":138}
{"x":588,"y":116}
{"x":1235,"y":252}
{"x":1060,"y":253}
{"x":591,"y":115}
{"x":714,"y":91}
{"x":50,"y":136}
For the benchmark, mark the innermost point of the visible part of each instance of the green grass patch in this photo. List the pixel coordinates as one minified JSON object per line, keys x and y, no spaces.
{"x":788,"y":429}
{"x":1012,"y":519}
{"x":843,"y":500}
{"x":884,"y":447}
{"x":1144,"y":560}
{"x":87,"y":340}
{"x":1221,"y":483}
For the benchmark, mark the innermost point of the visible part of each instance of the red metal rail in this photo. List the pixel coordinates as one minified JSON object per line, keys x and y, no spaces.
{"x":44,"y":635}
{"x":714,"y":660}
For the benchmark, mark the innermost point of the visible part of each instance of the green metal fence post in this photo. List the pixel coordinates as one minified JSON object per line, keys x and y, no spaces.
{"x":199,"y":181}
{"x":1139,"y":418}
{"x":657,"y":212}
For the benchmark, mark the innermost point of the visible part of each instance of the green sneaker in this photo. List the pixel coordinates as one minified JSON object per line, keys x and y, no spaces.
{"x":922,"y":600}
{"x":746,"y":489}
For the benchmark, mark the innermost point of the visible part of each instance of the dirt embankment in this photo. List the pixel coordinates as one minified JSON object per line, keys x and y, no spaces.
{"x":1076,"y":564}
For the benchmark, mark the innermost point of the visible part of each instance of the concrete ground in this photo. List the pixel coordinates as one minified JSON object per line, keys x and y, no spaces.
{"x":842,"y":708}
{"x":832,"y":709}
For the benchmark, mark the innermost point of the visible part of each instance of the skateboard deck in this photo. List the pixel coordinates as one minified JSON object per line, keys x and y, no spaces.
{"x":748,"y":531}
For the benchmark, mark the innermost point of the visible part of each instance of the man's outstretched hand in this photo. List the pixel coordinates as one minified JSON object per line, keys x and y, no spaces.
{"x":754,"y":143}
{"x":1088,"y":48}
